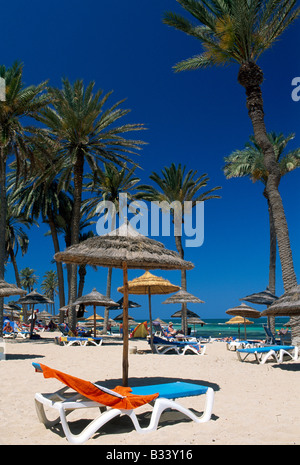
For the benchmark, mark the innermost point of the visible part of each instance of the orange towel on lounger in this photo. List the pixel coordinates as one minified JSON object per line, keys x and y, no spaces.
{"x":91,"y":391}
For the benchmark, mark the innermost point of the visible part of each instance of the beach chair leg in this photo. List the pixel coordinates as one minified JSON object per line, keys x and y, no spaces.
{"x":293,"y":355}
{"x":92,"y":427}
{"x":270,"y":354}
{"x":162,"y":404}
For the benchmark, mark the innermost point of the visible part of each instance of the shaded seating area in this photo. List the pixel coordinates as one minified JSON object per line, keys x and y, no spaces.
{"x":275,"y":353}
{"x":115,"y":402}
{"x":164,"y":346}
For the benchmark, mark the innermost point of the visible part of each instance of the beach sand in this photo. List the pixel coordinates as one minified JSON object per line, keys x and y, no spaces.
{"x":254,"y":404}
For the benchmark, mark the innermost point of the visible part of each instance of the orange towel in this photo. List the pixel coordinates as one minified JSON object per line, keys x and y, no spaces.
{"x":89,"y":390}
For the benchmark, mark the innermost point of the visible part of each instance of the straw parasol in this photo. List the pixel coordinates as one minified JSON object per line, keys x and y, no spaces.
{"x":238,"y":320}
{"x":123,"y":248}
{"x":189,"y":314}
{"x":150,"y":284}
{"x":245,"y":311}
{"x":34,"y":298}
{"x":261,"y":298}
{"x":120,"y":303}
{"x":182,"y":297}
{"x":96,"y":299}
{"x":7,"y":289}
{"x":44,"y":315}
{"x":288,"y":305}
{"x":195,"y":321}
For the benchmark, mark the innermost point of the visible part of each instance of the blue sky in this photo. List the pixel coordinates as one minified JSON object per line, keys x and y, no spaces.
{"x":195,"y":118}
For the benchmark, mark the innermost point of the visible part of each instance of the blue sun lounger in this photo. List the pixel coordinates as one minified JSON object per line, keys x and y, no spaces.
{"x":64,"y":402}
{"x":262,"y":354}
{"x":81,"y":341}
{"x":163,"y":346}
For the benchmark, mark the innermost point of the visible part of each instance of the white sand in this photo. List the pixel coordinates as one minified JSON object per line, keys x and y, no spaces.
{"x":254,"y":404}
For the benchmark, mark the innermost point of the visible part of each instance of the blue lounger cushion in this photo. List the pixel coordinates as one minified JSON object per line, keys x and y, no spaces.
{"x":171,"y":390}
{"x":266,"y":349}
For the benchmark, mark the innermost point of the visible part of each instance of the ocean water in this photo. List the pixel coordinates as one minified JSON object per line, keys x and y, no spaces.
{"x":218,"y":328}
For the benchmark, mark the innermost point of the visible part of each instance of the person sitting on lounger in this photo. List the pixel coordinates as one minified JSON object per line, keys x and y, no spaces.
{"x":171,"y":330}
{"x":7,"y":328}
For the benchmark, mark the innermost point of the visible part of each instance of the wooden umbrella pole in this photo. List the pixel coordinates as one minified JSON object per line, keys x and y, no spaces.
{"x":245,"y":328}
{"x":95,"y":329}
{"x":125,"y":325}
{"x":150,"y":318}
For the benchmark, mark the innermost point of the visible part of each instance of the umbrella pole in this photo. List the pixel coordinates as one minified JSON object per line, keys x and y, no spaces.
{"x":31,"y":323}
{"x":150,"y":318}
{"x":125,"y":325}
{"x":245,"y":328}
{"x":95,"y":329}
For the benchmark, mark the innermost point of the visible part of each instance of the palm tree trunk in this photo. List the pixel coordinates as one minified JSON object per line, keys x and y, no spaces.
{"x":272,"y":261}
{"x":15,"y":266}
{"x":78,"y":180}
{"x":82,"y":273}
{"x":251,"y":77}
{"x":59,"y":267}
{"x":3,"y":212}
{"x":183,"y":285}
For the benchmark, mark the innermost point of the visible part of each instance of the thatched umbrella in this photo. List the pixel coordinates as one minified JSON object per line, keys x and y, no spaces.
{"x":238,"y":320}
{"x":96,"y":299}
{"x":245,"y":311}
{"x":288,"y":305}
{"x":189,"y":314}
{"x":195,"y":321}
{"x":261,"y":298}
{"x":183,"y":297}
{"x":7,"y":289}
{"x":123,"y":248}
{"x":120,"y":303}
{"x":34,"y":298}
{"x":44,"y":315}
{"x":149,"y":284}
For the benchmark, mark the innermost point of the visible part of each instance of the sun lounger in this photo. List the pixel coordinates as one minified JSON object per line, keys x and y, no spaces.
{"x":262,"y":354}
{"x":120,"y":401}
{"x":163,"y":346}
{"x":234,"y":345}
{"x":81,"y":341}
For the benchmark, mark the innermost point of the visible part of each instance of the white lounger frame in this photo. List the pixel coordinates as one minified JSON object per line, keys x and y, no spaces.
{"x":161,"y":348}
{"x":83,"y":342}
{"x":64,"y":403}
{"x":276,"y":355}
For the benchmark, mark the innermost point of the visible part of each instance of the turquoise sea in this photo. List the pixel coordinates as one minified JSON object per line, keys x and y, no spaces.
{"x":218,"y":328}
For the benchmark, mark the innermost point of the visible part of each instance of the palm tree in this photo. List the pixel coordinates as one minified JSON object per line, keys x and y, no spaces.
{"x":16,"y":237}
{"x":239,"y":31}
{"x":250,"y":162}
{"x":34,"y":199}
{"x":108,"y":184}
{"x":50,"y":286}
{"x":85,"y":132}
{"x":19,"y":102}
{"x":28,"y":278}
{"x":176,"y":186}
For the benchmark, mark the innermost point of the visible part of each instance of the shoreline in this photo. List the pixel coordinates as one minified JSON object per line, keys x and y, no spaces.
{"x":254,"y":404}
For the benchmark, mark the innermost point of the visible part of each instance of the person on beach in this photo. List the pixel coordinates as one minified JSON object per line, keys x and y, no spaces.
{"x":171,"y":330}
{"x":7,"y":328}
